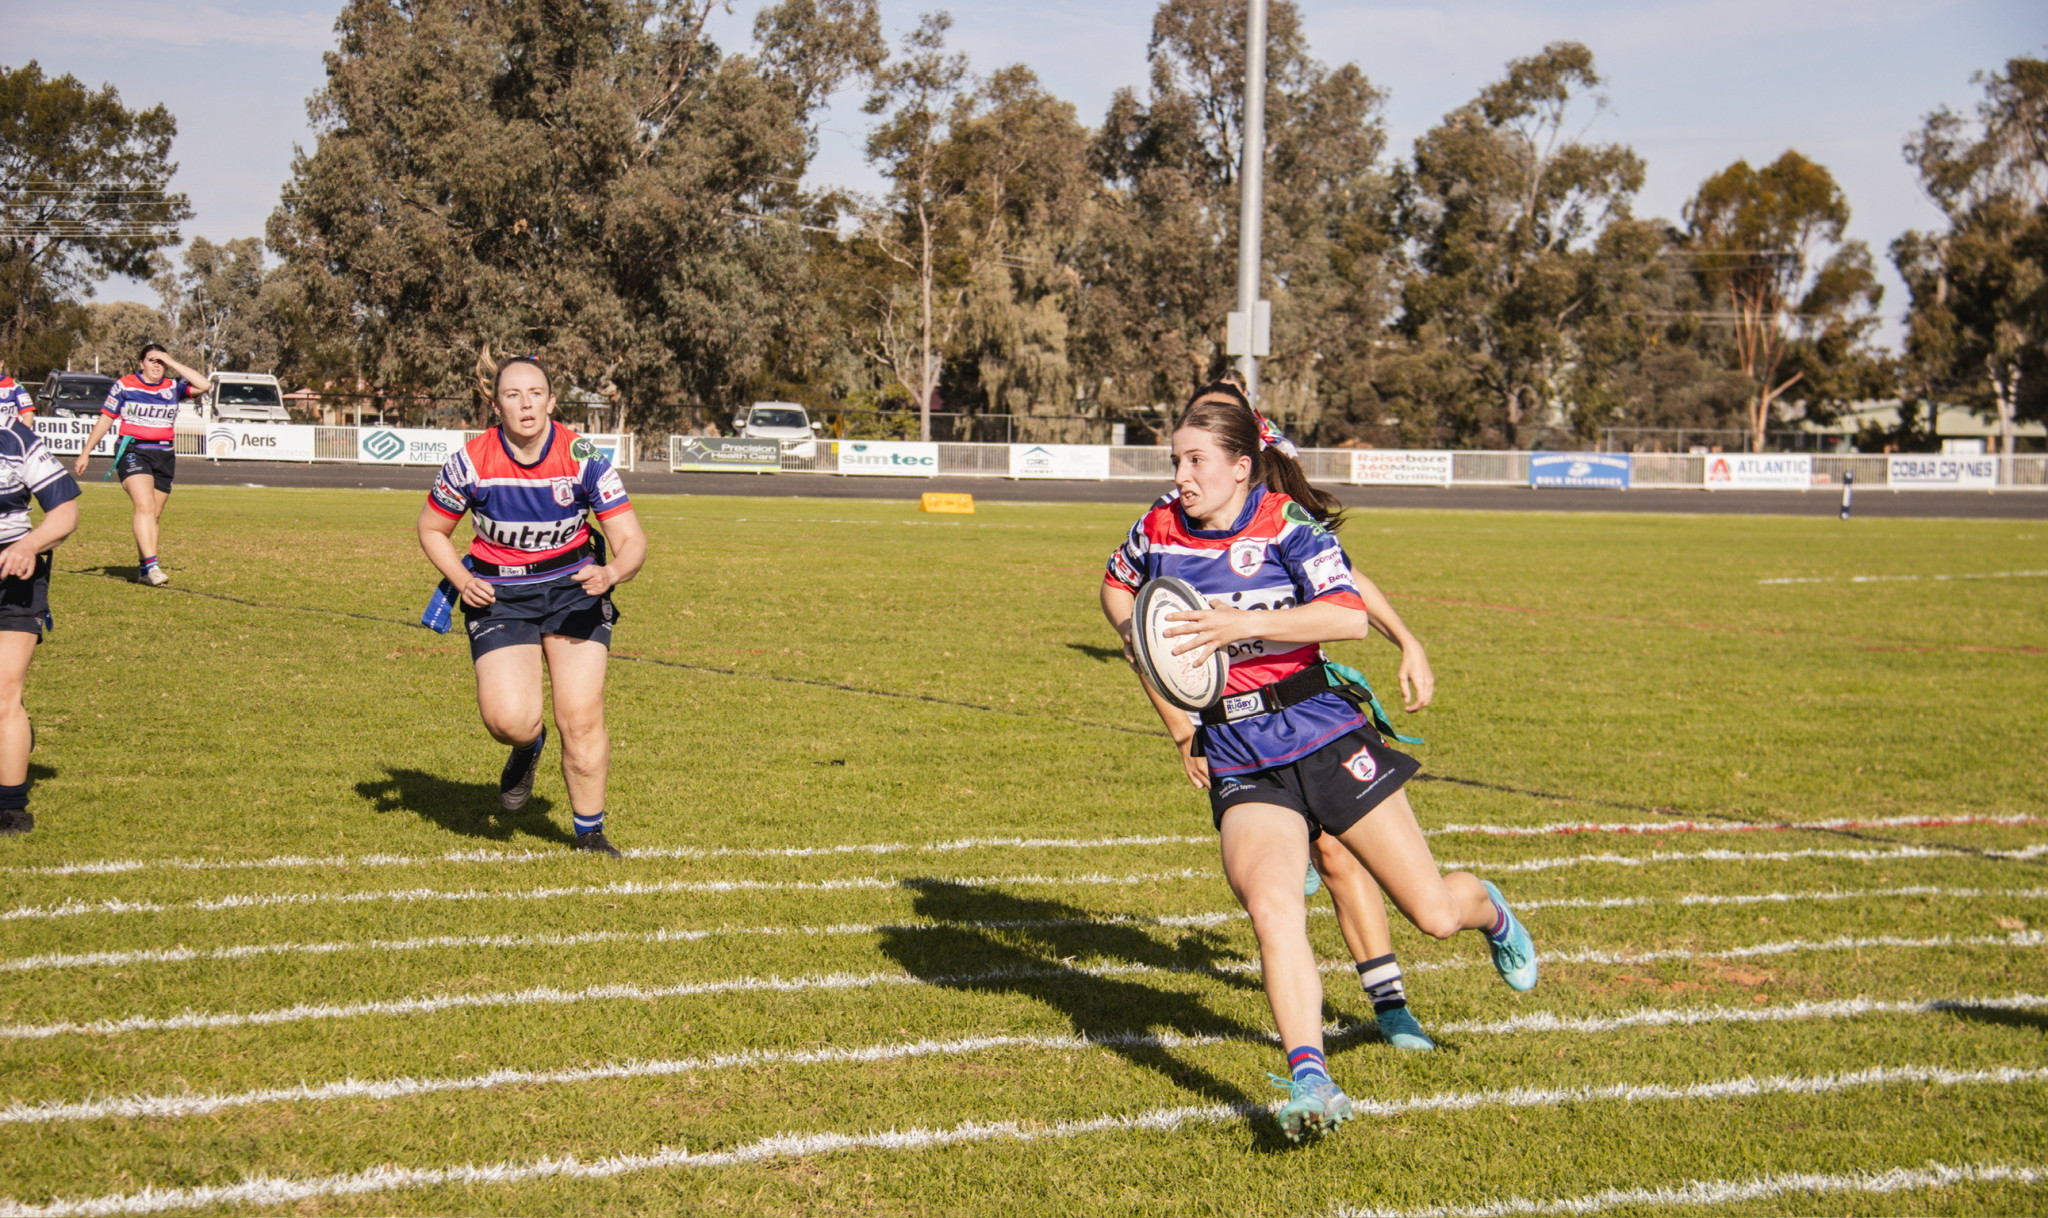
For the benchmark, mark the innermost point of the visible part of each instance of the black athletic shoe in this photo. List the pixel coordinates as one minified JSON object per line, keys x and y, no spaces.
{"x":515,"y":781}
{"x":594,"y":843}
{"x":20,"y":820}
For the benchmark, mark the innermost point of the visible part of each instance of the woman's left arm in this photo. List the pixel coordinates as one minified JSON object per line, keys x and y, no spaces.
{"x":19,"y":559}
{"x":628,"y":543}
{"x":1319,"y":621}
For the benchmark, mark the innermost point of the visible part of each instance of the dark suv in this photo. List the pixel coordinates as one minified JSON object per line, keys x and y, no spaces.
{"x":73,"y":394}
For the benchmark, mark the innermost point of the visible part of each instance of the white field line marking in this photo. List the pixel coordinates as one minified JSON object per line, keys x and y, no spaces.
{"x":1887,"y":579}
{"x":621,"y":888}
{"x":695,"y":854}
{"x":1733,"y":856}
{"x":76,"y":908}
{"x":182,"y":955}
{"x":190,"y":1104}
{"x":278,"y":1191}
{"x":1567,"y":828}
{"x":551,"y":996}
{"x":1730,"y":1192}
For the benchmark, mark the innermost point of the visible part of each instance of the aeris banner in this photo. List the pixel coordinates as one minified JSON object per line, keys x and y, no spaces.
{"x":258,"y":442}
{"x":1599,"y":471}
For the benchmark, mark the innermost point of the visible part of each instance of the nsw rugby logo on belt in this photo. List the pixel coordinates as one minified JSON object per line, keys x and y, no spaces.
{"x":1246,"y":557}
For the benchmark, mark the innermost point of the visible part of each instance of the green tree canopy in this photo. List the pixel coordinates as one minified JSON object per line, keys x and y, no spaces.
{"x":596,"y":182}
{"x":1978,"y":326}
{"x":82,"y":196}
{"x":1801,"y":302}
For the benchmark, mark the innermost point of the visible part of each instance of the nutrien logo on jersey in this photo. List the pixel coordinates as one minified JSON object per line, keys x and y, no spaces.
{"x":1362,"y":766}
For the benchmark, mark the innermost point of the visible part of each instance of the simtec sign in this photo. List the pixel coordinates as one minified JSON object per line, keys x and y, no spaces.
{"x":902,"y":458}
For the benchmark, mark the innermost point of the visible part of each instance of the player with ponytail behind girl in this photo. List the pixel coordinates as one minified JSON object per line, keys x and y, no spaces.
{"x":1286,"y":758}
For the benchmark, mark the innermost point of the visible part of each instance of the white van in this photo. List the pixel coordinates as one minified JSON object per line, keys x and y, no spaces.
{"x":238,"y":397}
{"x":784,"y":421}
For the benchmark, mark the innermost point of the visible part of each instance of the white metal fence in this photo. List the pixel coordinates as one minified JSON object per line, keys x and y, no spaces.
{"x":1336,"y":466}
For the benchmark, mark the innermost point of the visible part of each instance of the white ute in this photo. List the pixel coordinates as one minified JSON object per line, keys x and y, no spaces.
{"x":784,"y":421}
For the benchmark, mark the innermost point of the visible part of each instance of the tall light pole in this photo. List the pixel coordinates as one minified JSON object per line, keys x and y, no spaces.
{"x":1249,"y":334}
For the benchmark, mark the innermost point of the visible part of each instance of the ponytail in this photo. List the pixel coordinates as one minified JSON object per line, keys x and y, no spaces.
{"x":1221,"y":409}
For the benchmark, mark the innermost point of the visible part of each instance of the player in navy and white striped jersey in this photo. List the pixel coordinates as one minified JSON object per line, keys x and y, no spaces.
{"x":15,"y":401}
{"x":535,"y":588}
{"x":28,"y":472}
{"x":1286,"y":759}
{"x":145,"y":405}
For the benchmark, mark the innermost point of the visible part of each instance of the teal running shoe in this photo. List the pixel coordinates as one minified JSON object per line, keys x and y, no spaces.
{"x":1399,"y":1028}
{"x":1514,"y":955}
{"x":1309,"y":887}
{"x":1314,"y":1105}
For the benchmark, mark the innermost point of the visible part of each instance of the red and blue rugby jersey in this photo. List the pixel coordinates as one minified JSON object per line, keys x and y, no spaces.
{"x":1276,"y":556}
{"x":527,"y":514}
{"x":15,"y":402}
{"x":28,"y":469}
{"x":148,"y":413}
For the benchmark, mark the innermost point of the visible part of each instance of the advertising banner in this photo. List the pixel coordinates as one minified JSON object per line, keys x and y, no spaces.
{"x":258,"y":442}
{"x":901,"y":458}
{"x":1759,"y":471}
{"x":1395,"y":467}
{"x":65,"y":435}
{"x":391,"y":446}
{"x":1946,"y":473}
{"x":1599,"y":471}
{"x":725,"y":454}
{"x":1086,"y":462}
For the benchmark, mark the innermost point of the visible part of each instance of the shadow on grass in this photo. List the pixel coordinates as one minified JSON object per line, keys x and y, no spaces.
{"x":468,"y":808}
{"x":2029,"y":1021}
{"x":1104,"y":654}
{"x":995,"y":942}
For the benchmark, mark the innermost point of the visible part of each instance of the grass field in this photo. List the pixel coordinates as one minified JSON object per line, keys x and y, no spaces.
{"x":921,"y":917}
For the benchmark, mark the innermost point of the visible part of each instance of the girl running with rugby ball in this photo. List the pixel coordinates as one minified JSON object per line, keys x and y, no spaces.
{"x":1298,"y":761}
{"x":535,"y":589}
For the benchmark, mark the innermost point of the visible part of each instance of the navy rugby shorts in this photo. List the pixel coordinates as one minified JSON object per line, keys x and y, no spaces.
{"x":1332,"y":788}
{"x":524,"y":612}
{"x":25,"y":603}
{"x":160,"y":464}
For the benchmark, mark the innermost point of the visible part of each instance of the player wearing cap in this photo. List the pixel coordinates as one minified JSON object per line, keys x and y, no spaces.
{"x":145,"y":405}
{"x":15,"y":401}
{"x":28,"y":470}
{"x":1286,"y":758}
{"x":535,"y":588}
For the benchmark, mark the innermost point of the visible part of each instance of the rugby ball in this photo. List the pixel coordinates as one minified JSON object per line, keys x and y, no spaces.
{"x":1187,"y":683}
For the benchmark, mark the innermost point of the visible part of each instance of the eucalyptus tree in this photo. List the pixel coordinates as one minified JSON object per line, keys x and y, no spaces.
{"x":1767,"y":245}
{"x":83,"y":195}
{"x":1158,"y":268}
{"x":597,"y":182}
{"x":1505,"y":210}
{"x":1978,"y":325}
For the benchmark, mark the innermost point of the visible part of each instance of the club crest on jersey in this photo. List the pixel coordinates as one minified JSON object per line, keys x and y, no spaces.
{"x":565,"y":491}
{"x":1246,"y":557}
{"x":1361,"y":766}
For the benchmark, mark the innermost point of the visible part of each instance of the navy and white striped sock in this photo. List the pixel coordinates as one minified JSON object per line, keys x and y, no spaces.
{"x":1306,"y":1061}
{"x":1381,"y":977}
{"x":589,"y":824}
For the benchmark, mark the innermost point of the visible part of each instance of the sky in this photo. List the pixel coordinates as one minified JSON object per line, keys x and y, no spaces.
{"x":1692,"y":85}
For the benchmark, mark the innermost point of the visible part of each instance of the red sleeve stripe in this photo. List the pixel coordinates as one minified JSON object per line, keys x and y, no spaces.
{"x":607,"y":515}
